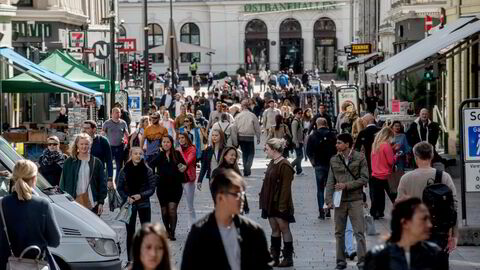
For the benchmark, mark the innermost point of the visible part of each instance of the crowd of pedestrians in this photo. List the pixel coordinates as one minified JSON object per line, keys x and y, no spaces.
{"x":350,"y":153}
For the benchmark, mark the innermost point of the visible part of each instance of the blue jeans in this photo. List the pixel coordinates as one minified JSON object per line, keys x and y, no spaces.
{"x":118,"y":154}
{"x":298,"y":159}
{"x":350,"y":245}
{"x":248,"y":152}
{"x":321,"y":174}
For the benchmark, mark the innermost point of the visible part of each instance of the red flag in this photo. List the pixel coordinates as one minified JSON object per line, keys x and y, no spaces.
{"x":428,"y":23}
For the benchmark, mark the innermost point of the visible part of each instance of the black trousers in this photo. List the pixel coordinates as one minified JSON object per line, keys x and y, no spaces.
{"x":145,"y":216}
{"x":380,"y":186}
{"x":248,"y":153}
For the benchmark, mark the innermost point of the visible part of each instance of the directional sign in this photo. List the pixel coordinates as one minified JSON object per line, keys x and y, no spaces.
{"x":129,"y":45}
{"x":471,"y":148}
{"x":77,"y":39}
{"x":102,"y":50}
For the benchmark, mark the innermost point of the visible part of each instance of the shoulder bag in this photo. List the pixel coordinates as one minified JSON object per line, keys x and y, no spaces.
{"x":20,"y":263}
{"x":83,"y":198}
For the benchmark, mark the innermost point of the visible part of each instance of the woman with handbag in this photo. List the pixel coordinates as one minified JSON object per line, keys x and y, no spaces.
{"x":188,"y":151}
{"x":27,"y":220}
{"x":51,"y":161}
{"x":83,"y":175}
{"x":276,"y":201}
{"x":280,"y":131}
{"x":136,"y":183}
{"x":170,"y":167}
{"x":383,"y":159}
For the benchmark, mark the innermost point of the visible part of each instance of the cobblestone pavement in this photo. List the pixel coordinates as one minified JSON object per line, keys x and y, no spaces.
{"x":314,"y":240}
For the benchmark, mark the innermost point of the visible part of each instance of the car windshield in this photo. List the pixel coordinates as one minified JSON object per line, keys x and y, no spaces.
{"x":8,"y":157}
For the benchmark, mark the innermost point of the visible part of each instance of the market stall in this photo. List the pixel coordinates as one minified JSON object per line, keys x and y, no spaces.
{"x":40,"y":79}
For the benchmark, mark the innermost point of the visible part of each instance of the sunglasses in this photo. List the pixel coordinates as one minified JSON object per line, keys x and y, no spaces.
{"x":50,"y":144}
{"x":186,"y":121}
{"x":155,"y":118}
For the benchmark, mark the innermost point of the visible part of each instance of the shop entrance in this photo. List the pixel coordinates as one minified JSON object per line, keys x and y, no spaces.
{"x":291,"y":46}
{"x":324,"y":34}
{"x":256,"y":46}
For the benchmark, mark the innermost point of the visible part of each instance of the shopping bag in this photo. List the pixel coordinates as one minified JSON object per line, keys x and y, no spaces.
{"x":125,"y":213}
{"x":370,"y":225}
{"x":114,"y":200}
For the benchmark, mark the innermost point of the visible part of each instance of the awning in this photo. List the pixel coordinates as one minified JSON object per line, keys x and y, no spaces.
{"x":415,"y":54}
{"x":363,"y":59}
{"x":40,"y":79}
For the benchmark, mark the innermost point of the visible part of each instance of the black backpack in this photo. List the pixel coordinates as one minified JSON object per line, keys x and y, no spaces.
{"x":438,"y":197}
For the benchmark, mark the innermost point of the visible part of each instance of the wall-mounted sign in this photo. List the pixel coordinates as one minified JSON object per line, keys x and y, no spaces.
{"x":77,"y":39}
{"x":269,"y":7}
{"x":35,"y":29}
{"x":102,"y":50}
{"x":362,"y":48}
{"x":129,"y":45}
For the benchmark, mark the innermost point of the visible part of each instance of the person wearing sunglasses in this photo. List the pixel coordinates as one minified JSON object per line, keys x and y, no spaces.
{"x":51,"y":161}
{"x":234,"y":241}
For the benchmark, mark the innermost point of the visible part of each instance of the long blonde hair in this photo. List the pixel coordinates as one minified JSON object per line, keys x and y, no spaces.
{"x":73,"y":146}
{"x":385,"y":135}
{"x":357,"y":126}
{"x":23,"y":174}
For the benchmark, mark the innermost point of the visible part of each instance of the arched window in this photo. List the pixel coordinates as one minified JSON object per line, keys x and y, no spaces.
{"x":155,"y":35}
{"x":290,"y":28}
{"x":324,"y":27}
{"x":190,"y":33}
{"x":256,"y":29}
{"x":122,"y":32}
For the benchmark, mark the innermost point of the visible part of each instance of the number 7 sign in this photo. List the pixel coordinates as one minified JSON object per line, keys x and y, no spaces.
{"x":77,"y":39}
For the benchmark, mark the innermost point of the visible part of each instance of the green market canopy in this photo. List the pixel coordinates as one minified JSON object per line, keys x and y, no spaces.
{"x":63,"y":65}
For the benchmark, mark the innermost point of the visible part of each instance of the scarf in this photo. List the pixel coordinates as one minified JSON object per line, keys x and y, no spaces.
{"x":52,"y":157}
{"x":418,"y":128}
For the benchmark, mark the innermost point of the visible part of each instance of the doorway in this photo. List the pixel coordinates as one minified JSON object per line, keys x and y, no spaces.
{"x":291,"y":46}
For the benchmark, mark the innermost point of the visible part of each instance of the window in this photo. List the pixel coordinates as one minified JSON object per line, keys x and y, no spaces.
{"x":187,"y":57}
{"x":24,"y":3}
{"x":122,"y":32}
{"x":157,"y":57}
{"x":190,"y":33}
{"x":155,"y":35}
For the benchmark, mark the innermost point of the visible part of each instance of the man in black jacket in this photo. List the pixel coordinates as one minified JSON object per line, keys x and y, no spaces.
{"x":365,"y":139}
{"x":320,"y":149}
{"x":322,"y":112}
{"x":233,"y":241}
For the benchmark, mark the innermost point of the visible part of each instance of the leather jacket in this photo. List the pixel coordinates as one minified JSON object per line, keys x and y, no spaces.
{"x":423,"y":256}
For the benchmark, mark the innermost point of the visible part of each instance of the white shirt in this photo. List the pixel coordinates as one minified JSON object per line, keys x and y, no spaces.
{"x":84,"y":180}
{"x":168,"y":101}
{"x":178,"y":104}
{"x":229,"y":237}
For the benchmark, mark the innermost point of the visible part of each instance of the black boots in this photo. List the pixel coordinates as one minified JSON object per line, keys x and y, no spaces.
{"x":275,"y":246}
{"x":287,"y":252}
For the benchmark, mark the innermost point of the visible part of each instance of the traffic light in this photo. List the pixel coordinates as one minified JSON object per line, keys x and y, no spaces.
{"x":141,"y":67}
{"x":428,"y":74}
{"x":130,"y":70}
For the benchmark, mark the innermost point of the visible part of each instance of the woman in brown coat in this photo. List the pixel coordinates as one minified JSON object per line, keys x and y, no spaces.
{"x":276,"y":201}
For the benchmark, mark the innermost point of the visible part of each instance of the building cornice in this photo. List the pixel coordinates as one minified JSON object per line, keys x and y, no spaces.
{"x":405,"y":12}
{"x":7,"y":10}
{"x":62,"y":16}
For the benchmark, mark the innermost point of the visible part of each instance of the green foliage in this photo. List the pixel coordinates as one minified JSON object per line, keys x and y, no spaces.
{"x":220,"y":75}
{"x":241,"y":71}
{"x":414,"y":90}
{"x":341,"y":74}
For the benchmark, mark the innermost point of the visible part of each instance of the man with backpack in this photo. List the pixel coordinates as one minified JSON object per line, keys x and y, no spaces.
{"x":438,"y":193}
{"x":320,"y":149}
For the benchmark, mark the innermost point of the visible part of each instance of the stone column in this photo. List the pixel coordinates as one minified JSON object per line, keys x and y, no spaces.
{"x":307,"y":35}
{"x":273,"y":36}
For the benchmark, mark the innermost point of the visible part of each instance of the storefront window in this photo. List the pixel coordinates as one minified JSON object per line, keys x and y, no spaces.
{"x":24,"y":3}
{"x":256,"y":46}
{"x":190,"y":33}
{"x":324,"y":32}
{"x":187,"y":57}
{"x":122,"y":32}
{"x":155,"y":35}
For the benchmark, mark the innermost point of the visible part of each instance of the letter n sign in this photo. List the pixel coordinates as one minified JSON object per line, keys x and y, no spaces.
{"x":77,"y":39}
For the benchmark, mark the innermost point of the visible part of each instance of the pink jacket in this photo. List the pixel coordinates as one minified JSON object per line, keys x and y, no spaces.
{"x":383,"y":161}
{"x":189,"y":154}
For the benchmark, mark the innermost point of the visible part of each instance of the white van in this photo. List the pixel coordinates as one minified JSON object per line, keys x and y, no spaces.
{"x":87,"y":242}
